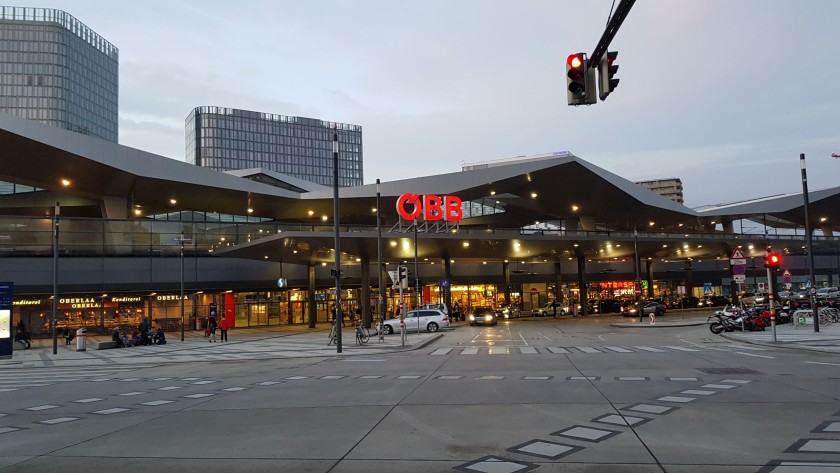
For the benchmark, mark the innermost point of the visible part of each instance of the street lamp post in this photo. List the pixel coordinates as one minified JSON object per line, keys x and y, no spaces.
{"x":181,"y":240}
{"x":636,"y":264}
{"x":810,"y":244}
{"x":55,"y":278}
{"x":379,"y":262}
{"x":336,"y":220}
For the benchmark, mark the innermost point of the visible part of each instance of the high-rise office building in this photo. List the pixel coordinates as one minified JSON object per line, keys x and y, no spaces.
{"x":56,"y":70}
{"x":669,"y":187}
{"x":227,"y":139}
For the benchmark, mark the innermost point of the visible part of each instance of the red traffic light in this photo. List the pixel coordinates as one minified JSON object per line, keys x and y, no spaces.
{"x":772,"y":261}
{"x":575,"y":60}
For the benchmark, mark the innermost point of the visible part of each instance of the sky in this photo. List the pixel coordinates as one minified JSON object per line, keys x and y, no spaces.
{"x":723,"y":94}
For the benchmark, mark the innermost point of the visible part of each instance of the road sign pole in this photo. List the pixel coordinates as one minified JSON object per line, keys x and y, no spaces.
{"x":770,"y":292}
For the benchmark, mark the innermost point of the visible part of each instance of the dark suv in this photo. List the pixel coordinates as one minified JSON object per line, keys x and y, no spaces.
{"x":483,"y":316}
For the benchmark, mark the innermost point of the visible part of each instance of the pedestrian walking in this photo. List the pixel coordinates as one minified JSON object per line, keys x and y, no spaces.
{"x":652,"y":316}
{"x":224,"y":325}
{"x":456,"y":311}
{"x":211,"y":327}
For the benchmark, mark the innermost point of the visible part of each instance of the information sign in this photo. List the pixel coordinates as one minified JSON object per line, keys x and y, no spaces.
{"x":739,"y":278}
{"x":707,"y":288}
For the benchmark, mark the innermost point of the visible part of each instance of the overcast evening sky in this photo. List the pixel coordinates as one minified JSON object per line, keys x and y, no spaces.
{"x":723,"y":94}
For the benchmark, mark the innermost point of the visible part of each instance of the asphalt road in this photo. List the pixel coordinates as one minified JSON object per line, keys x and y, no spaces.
{"x":572,"y":395}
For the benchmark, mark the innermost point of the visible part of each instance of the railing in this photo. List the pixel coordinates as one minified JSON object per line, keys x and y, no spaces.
{"x":33,"y":236}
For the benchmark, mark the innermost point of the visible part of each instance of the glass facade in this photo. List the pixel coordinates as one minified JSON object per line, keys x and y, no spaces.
{"x":225,"y":139}
{"x":57,"y":71}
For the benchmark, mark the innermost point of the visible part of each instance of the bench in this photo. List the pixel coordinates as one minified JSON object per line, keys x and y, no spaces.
{"x":105,"y":345}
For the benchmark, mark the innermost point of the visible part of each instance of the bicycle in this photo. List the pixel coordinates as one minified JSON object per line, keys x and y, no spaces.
{"x":362,"y":333}
{"x":333,"y":335}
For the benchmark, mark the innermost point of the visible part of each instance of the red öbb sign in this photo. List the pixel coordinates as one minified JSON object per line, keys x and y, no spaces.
{"x":430,"y":206}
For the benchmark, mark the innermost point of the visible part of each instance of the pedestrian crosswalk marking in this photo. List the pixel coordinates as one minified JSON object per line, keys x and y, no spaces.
{"x":470,"y":351}
{"x":558,"y":350}
{"x":441,"y":351}
{"x":588,"y":350}
{"x":651,"y":349}
{"x":680,"y":348}
{"x":528,"y":350}
{"x":619,"y":349}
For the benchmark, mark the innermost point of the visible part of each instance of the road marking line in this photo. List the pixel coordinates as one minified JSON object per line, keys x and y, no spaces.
{"x":112,"y":411}
{"x":41,"y":408}
{"x":676,"y":399}
{"x":588,"y":350}
{"x":821,"y":363}
{"x":619,"y":349}
{"x":157,"y":403}
{"x":525,"y":341}
{"x":469,"y":351}
{"x":753,"y":354}
{"x":557,"y":350}
{"x":651,"y":349}
{"x":528,"y":350}
{"x":441,"y":351}
{"x":92,"y":399}
{"x":678,"y":348}
{"x":60,"y":420}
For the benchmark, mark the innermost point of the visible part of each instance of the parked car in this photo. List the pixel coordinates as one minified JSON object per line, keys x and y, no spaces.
{"x":483,"y":316}
{"x":825,"y":292}
{"x":507,"y":311}
{"x":719,"y":300}
{"x":747,"y":298}
{"x":689,"y":302}
{"x":630,"y":309}
{"x":656,"y":308}
{"x":440,"y":307}
{"x":418,"y":319}
{"x":548,"y":310}
{"x":609,"y":306}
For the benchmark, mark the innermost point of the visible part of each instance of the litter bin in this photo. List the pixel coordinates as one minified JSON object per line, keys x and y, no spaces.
{"x":81,"y":339}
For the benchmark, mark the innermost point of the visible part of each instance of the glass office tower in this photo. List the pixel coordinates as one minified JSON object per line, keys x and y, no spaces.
{"x":226,"y":138}
{"x":56,"y":70}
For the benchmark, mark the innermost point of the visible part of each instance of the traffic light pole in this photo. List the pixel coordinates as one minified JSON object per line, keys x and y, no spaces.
{"x":813,"y":290}
{"x":771,"y":294}
{"x":618,"y":17}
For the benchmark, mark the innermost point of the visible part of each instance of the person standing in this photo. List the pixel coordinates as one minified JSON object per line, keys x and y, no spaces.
{"x":211,"y":326}
{"x":224,"y":325}
{"x":456,"y":311}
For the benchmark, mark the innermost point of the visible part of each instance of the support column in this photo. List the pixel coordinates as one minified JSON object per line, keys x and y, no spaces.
{"x":506,"y":275}
{"x":649,"y":276}
{"x":826,"y":230}
{"x":313,"y":308}
{"x":366,"y":314}
{"x":558,"y":282}
{"x":584,"y":297}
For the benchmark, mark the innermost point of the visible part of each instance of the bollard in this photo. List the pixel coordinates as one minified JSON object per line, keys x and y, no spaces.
{"x":81,"y":339}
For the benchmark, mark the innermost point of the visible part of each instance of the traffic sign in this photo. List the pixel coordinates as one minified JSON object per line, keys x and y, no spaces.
{"x":739,"y":278}
{"x":638,"y":292}
{"x":737,"y":258}
{"x":807,"y":283}
{"x":787,"y":277}
{"x":739,"y":269}
{"x":707,"y":289}
{"x":534,"y":291}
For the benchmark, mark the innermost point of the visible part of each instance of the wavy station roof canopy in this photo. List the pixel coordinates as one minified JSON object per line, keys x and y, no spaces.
{"x":545,"y":209}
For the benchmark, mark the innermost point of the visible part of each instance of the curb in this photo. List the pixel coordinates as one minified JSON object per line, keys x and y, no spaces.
{"x":785,"y":345}
{"x":657,"y":325}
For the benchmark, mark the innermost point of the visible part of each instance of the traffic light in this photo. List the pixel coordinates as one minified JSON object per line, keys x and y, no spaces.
{"x":606,"y":71}
{"x":402,"y":276}
{"x":772,"y":260}
{"x":580,"y":84}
